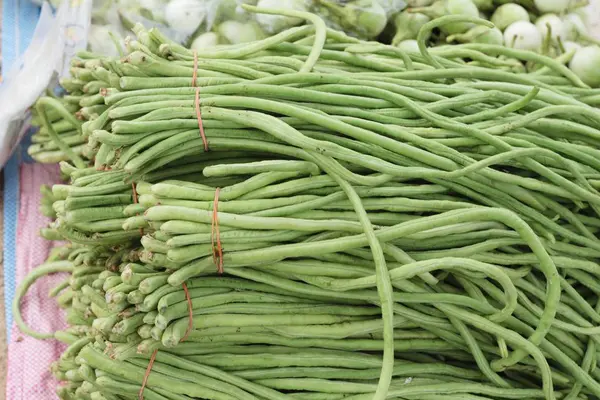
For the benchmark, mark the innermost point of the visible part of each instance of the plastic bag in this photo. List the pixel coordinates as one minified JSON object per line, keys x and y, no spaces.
{"x":212,"y":22}
{"x":57,"y":38}
{"x":180,"y":20}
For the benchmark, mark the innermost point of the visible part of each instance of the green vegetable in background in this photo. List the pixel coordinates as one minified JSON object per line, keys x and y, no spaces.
{"x":523,"y":35}
{"x":228,"y":10}
{"x":585,"y":65}
{"x":407,"y":25}
{"x":553,"y":6}
{"x":364,"y":17}
{"x":507,"y":14}
{"x":272,"y":23}
{"x":575,"y":29}
{"x":479,"y":34}
{"x":235,"y":32}
{"x":205,"y":40}
{"x":569,"y":46}
{"x":574,"y":26}
{"x":553,"y":25}
{"x":451,"y":7}
{"x":409,"y":45}
{"x":484,"y":5}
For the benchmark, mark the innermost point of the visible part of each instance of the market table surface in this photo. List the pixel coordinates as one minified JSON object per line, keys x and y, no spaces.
{"x":3,"y":347}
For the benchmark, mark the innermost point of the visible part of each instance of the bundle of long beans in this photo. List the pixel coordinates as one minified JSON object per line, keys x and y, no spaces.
{"x":65,"y":114}
{"x":324,"y":218}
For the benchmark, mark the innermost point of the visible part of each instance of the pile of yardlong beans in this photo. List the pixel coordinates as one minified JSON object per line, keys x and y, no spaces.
{"x":360,"y":223}
{"x":62,"y":116}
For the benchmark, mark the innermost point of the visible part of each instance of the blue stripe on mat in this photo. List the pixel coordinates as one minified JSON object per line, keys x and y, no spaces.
{"x":18,"y":24}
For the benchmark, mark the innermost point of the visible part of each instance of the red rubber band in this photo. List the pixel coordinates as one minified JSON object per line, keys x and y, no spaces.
{"x":195,"y":74}
{"x":216,"y":235}
{"x":199,"y":116}
{"x":190,"y":313}
{"x":147,"y":375}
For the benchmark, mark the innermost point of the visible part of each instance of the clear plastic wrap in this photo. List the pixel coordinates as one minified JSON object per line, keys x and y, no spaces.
{"x":57,"y":38}
{"x":211,"y":22}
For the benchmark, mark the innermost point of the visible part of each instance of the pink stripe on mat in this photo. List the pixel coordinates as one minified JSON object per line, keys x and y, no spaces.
{"x":29,"y":359}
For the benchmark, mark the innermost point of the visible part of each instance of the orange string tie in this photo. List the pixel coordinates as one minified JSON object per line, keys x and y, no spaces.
{"x":216,"y":235}
{"x":199,"y":116}
{"x":147,"y":375}
{"x":135,"y":201}
{"x":198,"y":111}
{"x":190,"y":313}
{"x":135,"y":196}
